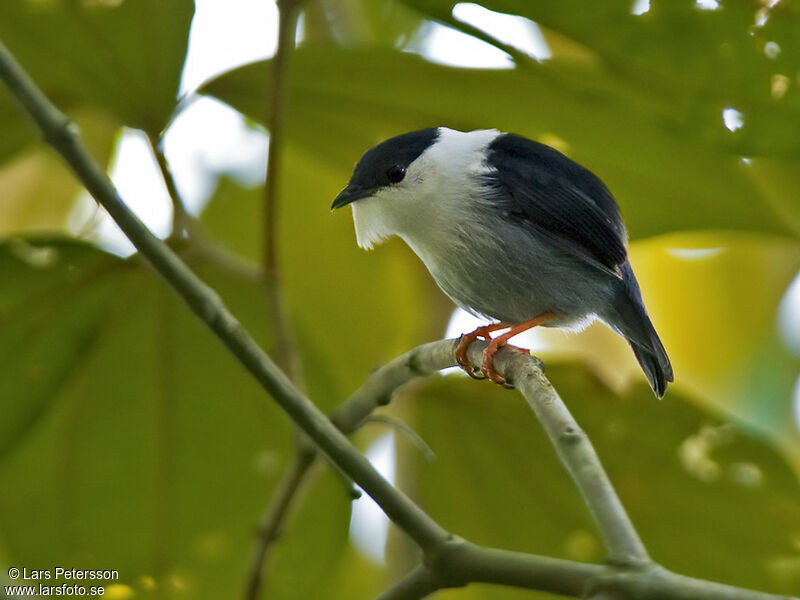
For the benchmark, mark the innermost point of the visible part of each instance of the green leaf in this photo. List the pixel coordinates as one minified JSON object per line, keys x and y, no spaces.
{"x":123,"y":57}
{"x":694,"y":486}
{"x":131,"y":439}
{"x":362,"y":21}
{"x":37,"y":190}
{"x":665,"y":179}
{"x":106,"y":64}
{"x":699,"y":61}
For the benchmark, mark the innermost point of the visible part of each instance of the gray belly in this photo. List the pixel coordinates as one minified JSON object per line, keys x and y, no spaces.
{"x":516,"y":278}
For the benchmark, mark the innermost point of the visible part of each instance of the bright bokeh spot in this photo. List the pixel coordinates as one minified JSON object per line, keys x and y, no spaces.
{"x":228,"y":34}
{"x":694,"y":253}
{"x":118,"y":591}
{"x":789,"y":316}
{"x":369,"y":525}
{"x":732,"y":118}
{"x":708,"y":4}
{"x":207,"y":139}
{"x":640,"y":7}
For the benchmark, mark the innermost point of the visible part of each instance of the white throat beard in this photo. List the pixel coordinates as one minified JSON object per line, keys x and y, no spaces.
{"x":370,"y":225}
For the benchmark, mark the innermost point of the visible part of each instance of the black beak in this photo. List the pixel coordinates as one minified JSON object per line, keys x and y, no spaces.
{"x":350,"y":194}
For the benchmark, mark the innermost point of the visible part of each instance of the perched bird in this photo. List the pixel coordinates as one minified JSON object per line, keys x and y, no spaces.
{"x":511,"y":230}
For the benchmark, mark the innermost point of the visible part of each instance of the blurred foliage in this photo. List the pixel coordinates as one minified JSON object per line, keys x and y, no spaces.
{"x":131,"y":440}
{"x":106,"y":63}
{"x":680,"y":473}
{"x":348,"y":94}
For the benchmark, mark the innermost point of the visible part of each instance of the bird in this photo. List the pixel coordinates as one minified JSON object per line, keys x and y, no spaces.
{"x":512,"y":230}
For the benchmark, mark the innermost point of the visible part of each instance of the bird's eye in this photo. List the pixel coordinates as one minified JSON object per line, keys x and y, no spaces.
{"x":396,"y":173}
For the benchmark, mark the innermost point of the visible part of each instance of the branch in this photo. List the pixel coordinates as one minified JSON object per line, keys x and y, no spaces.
{"x":452,"y":562}
{"x":270,"y":528}
{"x":572,"y":445}
{"x":180,"y":218}
{"x":580,"y":459}
{"x":461,"y":561}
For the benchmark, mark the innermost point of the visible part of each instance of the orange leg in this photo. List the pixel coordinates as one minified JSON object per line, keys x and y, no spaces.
{"x":466,"y":339}
{"x":501,"y":340}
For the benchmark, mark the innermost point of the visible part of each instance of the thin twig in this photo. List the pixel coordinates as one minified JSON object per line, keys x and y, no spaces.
{"x":454,"y":562}
{"x":418,"y":583}
{"x":285,"y":349}
{"x":274,"y":517}
{"x":520,"y":57}
{"x":407,"y":431}
{"x":286,"y":353}
{"x":180,"y":217}
{"x":182,"y":222}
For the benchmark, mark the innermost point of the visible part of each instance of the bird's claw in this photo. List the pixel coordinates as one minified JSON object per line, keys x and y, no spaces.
{"x":461,"y":356}
{"x":487,"y":368}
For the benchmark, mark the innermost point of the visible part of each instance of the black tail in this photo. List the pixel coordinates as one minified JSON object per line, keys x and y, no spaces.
{"x":633,"y":322}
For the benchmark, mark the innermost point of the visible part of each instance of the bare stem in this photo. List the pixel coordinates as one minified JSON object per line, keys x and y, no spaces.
{"x":285,"y":349}
{"x":180,"y":218}
{"x":286,"y":353}
{"x":580,"y":459}
{"x":270,"y":528}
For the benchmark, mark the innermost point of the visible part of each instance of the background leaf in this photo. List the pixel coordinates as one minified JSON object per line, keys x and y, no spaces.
{"x":123,"y":57}
{"x":698,"y":59}
{"x":690,"y":477}
{"x":153,"y":451}
{"x":106,"y":64}
{"x":39,"y":191}
{"x":348,"y":94}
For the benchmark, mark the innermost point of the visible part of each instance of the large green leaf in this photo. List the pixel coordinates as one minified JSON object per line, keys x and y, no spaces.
{"x":695,"y":488}
{"x":124,"y":57}
{"x":666,"y":179}
{"x":132,"y":440}
{"x":106,"y":64}
{"x":361,"y":21}
{"x":37,"y":190}
{"x":741,"y":55}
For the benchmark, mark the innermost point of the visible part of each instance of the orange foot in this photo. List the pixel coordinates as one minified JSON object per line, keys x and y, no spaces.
{"x":466,"y":339}
{"x":487,"y":368}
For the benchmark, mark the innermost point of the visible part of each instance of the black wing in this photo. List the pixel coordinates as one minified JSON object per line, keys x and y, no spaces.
{"x":545,"y":190}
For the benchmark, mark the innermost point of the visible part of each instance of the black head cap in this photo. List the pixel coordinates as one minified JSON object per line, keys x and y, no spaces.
{"x":385,"y":164}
